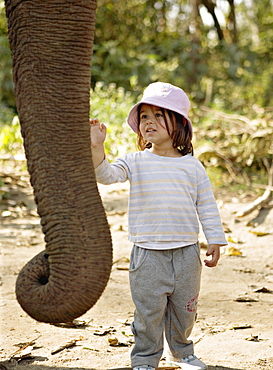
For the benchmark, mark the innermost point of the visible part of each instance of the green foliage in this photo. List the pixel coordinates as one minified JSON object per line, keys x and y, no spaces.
{"x":6,"y":83}
{"x":10,"y":137}
{"x":228,"y":69}
{"x":239,"y":146}
{"x":217,"y":176}
{"x":6,"y":115}
{"x":111,"y":106}
{"x":138,"y":42}
{"x":9,"y":134}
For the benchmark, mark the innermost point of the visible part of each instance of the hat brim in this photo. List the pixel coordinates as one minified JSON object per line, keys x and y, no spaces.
{"x":132,"y":119}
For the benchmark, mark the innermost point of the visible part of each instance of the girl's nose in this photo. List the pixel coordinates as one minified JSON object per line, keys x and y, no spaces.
{"x":150,"y":120}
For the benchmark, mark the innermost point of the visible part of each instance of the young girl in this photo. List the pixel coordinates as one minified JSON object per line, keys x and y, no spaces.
{"x":169,"y":194}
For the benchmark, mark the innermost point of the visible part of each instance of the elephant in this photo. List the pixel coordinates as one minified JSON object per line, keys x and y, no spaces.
{"x":51,"y":43}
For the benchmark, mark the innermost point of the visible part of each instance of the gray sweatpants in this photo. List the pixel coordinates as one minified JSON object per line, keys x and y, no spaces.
{"x":164,"y":285}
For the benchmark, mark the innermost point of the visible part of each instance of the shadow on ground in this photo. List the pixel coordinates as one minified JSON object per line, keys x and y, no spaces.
{"x":12,"y":365}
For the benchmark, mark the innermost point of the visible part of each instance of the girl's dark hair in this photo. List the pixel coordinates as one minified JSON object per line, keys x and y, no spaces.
{"x":179,"y":132}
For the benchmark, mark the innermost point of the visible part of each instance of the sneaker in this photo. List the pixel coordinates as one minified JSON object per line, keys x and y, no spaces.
{"x":191,"y":363}
{"x":144,"y":367}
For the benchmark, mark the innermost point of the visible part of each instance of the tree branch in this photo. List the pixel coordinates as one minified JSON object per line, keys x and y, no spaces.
{"x":210,"y":5}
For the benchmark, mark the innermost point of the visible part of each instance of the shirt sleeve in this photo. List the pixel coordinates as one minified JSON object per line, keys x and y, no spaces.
{"x":208,"y":212}
{"x":107,"y":173}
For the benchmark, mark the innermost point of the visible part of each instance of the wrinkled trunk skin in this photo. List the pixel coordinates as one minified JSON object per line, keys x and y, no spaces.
{"x":51,"y":42}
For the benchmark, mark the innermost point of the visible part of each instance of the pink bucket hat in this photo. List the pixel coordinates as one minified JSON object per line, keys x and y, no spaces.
{"x":163,"y":95}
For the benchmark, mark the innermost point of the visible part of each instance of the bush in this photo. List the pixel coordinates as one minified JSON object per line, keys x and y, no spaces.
{"x":10,"y":136}
{"x":111,"y":106}
{"x":108,"y":103}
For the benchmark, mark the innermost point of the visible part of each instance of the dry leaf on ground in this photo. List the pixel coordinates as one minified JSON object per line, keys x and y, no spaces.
{"x":231,"y":251}
{"x":245,"y":298}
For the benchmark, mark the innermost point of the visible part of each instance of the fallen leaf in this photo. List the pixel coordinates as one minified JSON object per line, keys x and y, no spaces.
{"x":203,"y":245}
{"x":253,"y":338}
{"x":123,"y":259}
{"x":127,"y":335}
{"x":103,"y":331}
{"x":258,"y":233}
{"x":262,"y":290}
{"x":73,"y":324}
{"x":246,"y":270}
{"x":123,"y":263}
{"x":226,"y":229}
{"x":239,"y":327}
{"x":245,"y":298}
{"x":113,"y":341}
{"x":231,"y":251}
{"x":91,"y":349}
{"x":126,"y":322}
{"x":233,"y":239}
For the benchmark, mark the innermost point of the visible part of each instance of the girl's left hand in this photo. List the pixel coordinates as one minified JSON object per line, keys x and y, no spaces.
{"x":214,"y":252}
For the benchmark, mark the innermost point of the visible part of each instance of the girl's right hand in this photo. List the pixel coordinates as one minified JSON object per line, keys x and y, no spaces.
{"x":97,"y":132}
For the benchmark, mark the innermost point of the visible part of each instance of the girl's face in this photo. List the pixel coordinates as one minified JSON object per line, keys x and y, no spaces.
{"x":152,"y":126}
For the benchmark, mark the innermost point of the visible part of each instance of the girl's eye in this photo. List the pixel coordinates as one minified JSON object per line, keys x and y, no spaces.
{"x":144,"y":116}
{"x":159,"y":115}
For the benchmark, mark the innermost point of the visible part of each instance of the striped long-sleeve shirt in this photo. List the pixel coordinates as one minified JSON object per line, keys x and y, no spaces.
{"x":167,"y":198}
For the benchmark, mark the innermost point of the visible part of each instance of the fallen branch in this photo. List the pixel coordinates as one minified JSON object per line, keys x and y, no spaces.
{"x":235,"y":118}
{"x":69,"y":344}
{"x":24,"y":346}
{"x":262,"y":200}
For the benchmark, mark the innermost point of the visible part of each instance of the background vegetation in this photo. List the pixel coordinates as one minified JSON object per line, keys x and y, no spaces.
{"x":219,"y":51}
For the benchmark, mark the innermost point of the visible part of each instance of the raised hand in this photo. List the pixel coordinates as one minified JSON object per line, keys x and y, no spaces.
{"x":97,"y":133}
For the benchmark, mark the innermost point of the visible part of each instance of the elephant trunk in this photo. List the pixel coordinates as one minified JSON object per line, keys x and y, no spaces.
{"x":51,"y":43}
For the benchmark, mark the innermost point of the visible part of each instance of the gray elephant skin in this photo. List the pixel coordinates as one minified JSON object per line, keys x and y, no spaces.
{"x":51,"y":43}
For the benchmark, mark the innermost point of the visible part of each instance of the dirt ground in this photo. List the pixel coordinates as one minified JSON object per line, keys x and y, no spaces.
{"x":234,"y":329}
